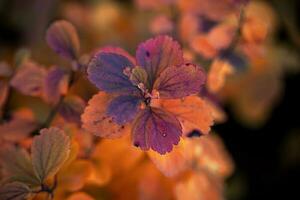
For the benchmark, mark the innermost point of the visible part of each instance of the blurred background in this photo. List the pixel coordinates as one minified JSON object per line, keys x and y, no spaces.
{"x":262,"y":130}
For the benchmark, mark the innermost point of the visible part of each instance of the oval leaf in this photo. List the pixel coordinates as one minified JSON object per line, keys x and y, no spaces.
{"x":95,"y":118}
{"x":17,"y":165}
{"x":56,"y":84}
{"x":62,"y":37}
{"x":156,"y":129}
{"x":192,"y":112}
{"x":29,"y":79}
{"x":49,"y":151}
{"x":71,"y":109}
{"x":14,"y":191}
{"x":180,"y":81}
{"x":158,"y":53}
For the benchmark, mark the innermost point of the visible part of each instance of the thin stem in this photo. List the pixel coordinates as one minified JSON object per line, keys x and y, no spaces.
{"x":238,"y":31}
{"x":53,"y":112}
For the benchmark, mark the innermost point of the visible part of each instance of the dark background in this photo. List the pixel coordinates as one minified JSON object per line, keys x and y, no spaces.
{"x":266,"y":158}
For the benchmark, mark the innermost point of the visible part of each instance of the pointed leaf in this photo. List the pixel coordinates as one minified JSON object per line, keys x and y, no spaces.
{"x":49,"y":152}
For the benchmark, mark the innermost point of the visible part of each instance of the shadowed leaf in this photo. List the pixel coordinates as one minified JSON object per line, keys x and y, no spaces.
{"x":180,"y":81}
{"x":71,"y":109}
{"x":17,"y":165}
{"x":29,"y":79}
{"x":56,"y":84}
{"x":14,"y":191}
{"x":49,"y":152}
{"x":157,"y":54}
{"x":156,"y":129}
{"x":62,"y":37}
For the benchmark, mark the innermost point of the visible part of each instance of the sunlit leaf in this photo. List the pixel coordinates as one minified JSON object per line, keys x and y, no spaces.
{"x":152,"y":184}
{"x":209,"y":153}
{"x":203,"y":46}
{"x":49,"y":152}
{"x":80,"y":196}
{"x":161,"y":25}
{"x":199,"y":186}
{"x":95,"y":119}
{"x":120,"y":156}
{"x":217,"y":75}
{"x":192,"y":112}
{"x":173,"y":163}
{"x":73,"y":177}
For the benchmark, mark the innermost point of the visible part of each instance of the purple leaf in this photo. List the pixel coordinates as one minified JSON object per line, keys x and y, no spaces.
{"x":156,"y":129}
{"x":158,"y":53}
{"x":117,"y":50}
{"x":71,"y":109}
{"x":180,"y":81}
{"x":63,"y":39}
{"x":123,"y":109}
{"x":95,"y":119}
{"x":29,"y":79}
{"x":55,"y":84}
{"x":106,"y":71}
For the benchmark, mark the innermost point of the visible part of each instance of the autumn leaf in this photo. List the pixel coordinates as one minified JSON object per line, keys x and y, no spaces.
{"x":16,"y":163}
{"x":71,"y":108}
{"x":49,"y":152}
{"x":63,"y":39}
{"x":14,"y":191}
{"x":193,"y":113}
